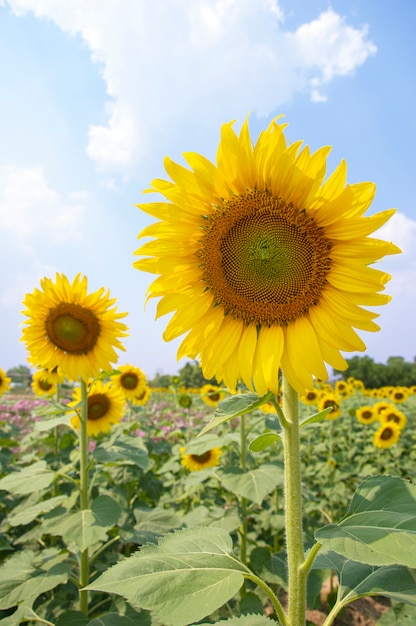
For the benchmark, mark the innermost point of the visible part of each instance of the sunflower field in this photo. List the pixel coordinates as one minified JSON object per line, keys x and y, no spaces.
{"x":153,"y":478}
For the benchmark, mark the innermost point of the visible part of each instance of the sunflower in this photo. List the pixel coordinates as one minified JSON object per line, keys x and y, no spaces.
{"x":131,"y":381}
{"x":195,"y":462}
{"x":54,"y":376}
{"x":70,"y":329}
{"x":105,"y":407}
{"x":367,"y":414}
{"x":399,"y":394}
{"x":212,"y":395}
{"x":42,"y":385}
{"x":143,"y":397}
{"x":263,"y":263}
{"x":387,"y":435}
{"x":4,"y":382}
{"x":330,"y":400}
{"x":343,"y":388}
{"x":311,"y":396}
{"x":184,"y":400}
{"x":391,"y":414}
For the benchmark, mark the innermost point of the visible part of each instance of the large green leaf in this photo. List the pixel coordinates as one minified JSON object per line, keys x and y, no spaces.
{"x":28,"y":514}
{"x":207,"y":442}
{"x":357,"y":580}
{"x":29,"y":479}
{"x":271,"y":567}
{"x":235,"y":406}
{"x":399,"y":615}
{"x":255,"y":484}
{"x":187,"y":576}
{"x":25,"y":576}
{"x":123,"y":449}
{"x":83,"y":528}
{"x":380,"y":526}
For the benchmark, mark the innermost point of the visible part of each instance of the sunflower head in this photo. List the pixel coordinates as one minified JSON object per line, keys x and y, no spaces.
{"x":184,"y":400}
{"x":130,"y":380}
{"x":399,"y":394}
{"x":387,"y":435}
{"x":212,"y":395}
{"x":391,"y":414}
{"x":71,"y":330}
{"x":311,"y":396}
{"x":264,"y":263}
{"x":143,"y":397}
{"x":195,"y":462}
{"x":42,"y":384}
{"x":330,"y":400}
{"x":105,"y":407}
{"x":367,"y":414}
{"x":4,"y":382}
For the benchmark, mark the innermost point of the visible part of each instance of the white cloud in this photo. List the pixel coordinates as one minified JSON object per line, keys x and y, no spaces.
{"x":401,"y":230}
{"x":169,"y":65}
{"x":29,"y":209}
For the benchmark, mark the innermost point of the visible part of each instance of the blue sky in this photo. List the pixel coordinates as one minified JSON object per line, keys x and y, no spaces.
{"x":94,"y":94}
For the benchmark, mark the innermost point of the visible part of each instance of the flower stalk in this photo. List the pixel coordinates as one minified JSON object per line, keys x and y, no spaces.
{"x":84,"y":498}
{"x":293,"y":507}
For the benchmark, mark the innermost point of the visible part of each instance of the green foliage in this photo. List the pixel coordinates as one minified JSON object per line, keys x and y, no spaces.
{"x":191,"y":376}
{"x":380,"y":525}
{"x":396,"y":371}
{"x":187,"y":576}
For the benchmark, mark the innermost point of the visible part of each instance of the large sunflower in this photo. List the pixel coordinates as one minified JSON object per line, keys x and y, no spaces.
{"x":4,"y":382}
{"x":263,"y":263}
{"x":131,"y":381}
{"x":70,"y":329}
{"x":105,"y":407}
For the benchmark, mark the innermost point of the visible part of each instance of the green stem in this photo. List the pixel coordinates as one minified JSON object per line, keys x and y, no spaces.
{"x":271,"y":595}
{"x":293,"y":507}
{"x":243,"y":465}
{"x":83,"y":488}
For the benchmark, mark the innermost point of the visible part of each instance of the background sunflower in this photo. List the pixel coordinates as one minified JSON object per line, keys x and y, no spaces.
{"x":105,"y":407}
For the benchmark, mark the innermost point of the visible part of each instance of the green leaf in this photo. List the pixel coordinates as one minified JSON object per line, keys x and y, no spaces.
{"x":204,"y":443}
{"x":187,"y":576}
{"x":357,"y":580}
{"x":83,"y":528}
{"x":314,"y":419}
{"x":106,"y":511}
{"x":235,"y":406}
{"x":244,"y":620}
{"x":152,"y":523}
{"x":270,"y":567}
{"x":72,"y":618}
{"x":114,"y":619}
{"x":47,"y":424}
{"x":30,"y":513}
{"x":254,"y":485}
{"x":399,"y":615}
{"x":29,"y":479}
{"x":380,"y":526}
{"x":24,"y":577}
{"x":264,"y":441}
{"x":122,"y":449}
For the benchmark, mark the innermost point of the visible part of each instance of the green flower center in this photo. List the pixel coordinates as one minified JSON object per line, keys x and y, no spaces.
{"x":265,"y":260}
{"x":129,"y":381}
{"x":98,"y":406}
{"x":367,"y":415}
{"x":73,"y":328}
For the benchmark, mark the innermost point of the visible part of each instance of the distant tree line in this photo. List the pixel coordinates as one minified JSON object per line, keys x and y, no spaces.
{"x":189,"y":376}
{"x":397,"y":371}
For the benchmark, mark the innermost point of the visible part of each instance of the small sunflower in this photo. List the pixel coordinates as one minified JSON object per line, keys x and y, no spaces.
{"x":343,"y":388}
{"x":212,"y":395}
{"x":54,"y":376}
{"x":399,"y":394}
{"x":381,"y":406}
{"x":387,"y":435}
{"x":143,"y":397}
{"x":264,"y":264}
{"x":185,"y":400}
{"x":131,"y":381}
{"x":70,"y":329}
{"x":4,"y":382}
{"x":195,"y":462}
{"x":42,"y":385}
{"x":311,"y":396}
{"x":330,"y":400}
{"x":105,"y":407}
{"x":391,"y":414}
{"x":367,"y":414}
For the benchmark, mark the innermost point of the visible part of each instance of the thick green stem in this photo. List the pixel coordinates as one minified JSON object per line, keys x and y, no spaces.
{"x":293,"y":508}
{"x":83,"y":488}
